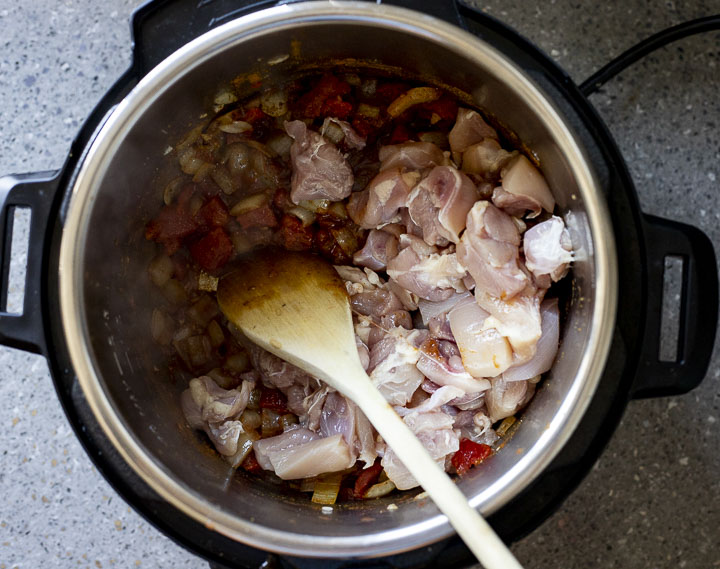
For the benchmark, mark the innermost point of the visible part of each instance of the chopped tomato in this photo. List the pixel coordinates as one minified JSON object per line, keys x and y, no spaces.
{"x":213,"y":250}
{"x":262,"y":216}
{"x":251,"y":464}
{"x":337,"y":108}
{"x":173,"y":224}
{"x":274,"y":400}
{"x":469,"y":454}
{"x":213,"y":214}
{"x":294,"y":235}
{"x":367,"y":478}
{"x":311,"y":104}
{"x":400,"y":134}
{"x":444,"y":108}
{"x":253,"y":114}
{"x":363,"y":127}
{"x":388,"y":92}
{"x":281,"y":199}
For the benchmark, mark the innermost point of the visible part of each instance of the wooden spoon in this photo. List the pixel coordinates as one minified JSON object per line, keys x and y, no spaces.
{"x":296,"y":306}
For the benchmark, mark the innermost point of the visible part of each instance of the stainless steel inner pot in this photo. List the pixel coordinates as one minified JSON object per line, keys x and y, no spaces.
{"x":106,"y":297}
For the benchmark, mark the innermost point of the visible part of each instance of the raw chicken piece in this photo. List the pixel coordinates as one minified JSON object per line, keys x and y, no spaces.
{"x":423,"y":271}
{"x":439,"y":397}
{"x":547,"y":345}
{"x":411,"y":156}
{"x":523,"y":188}
{"x":392,"y":365}
{"x":208,"y":407}
{"x":435,"y":431}
{"x":319,"y":169}
{"x":506,"y":398}
{"x":484,"y":351}
{"x":440,"y":362}
{"x":301,"y":453}
{"x":548,"y":249}
{"x":380,"y":202}
{"x":518,"y":319}
{"x":343,"y":417}
{"x":379,"y":248}
{"x":439,"y":204}
{"x":469,"y":129}
{"x":485,"y":158}
{"x":489,"y":250}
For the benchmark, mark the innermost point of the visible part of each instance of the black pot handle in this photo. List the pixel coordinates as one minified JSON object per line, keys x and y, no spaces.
{"x":698,"y":309}
{"x":34,"y":191}
{"x":160,"y":27}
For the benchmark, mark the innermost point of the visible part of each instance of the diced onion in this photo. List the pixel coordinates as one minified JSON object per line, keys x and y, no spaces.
{"x":203,"y":171}
{"x":306,"y":216}
{"x":332,"y":132}
{"x":189,"y":160}
{"x":249,"y":203}
{"x":174,"y":292}
{"x":222,"y":378}
{"x":160,"y":270}
{"x":235,"y":127}
{"x":238,"y":363}
{"x":254,"y":400}
{"x":161,"y":327}
{"x":380,"y":489}
{"x":172,"y":189}
{"x":505,"y":426}
{"x":326,"y":489}
{"x":287,"y":420}
{"x":439,"y":139}
{"x":274,"y":103}
{"x":369,"y":111}
{"x":338,"y":209}
{"x":250,"y":419}
{"x":244,"y":448}
{"x":224,"y":97}
{"x":215,"y":334}
{"x":191,"y":137}
{"x":280,"y":144}
{"x":270,"y":423}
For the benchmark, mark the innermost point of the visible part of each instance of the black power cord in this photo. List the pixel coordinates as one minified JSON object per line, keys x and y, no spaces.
{"x":645,"y":47}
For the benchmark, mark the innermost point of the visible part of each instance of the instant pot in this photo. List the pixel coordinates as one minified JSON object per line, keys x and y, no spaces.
{"x":86,"y":306}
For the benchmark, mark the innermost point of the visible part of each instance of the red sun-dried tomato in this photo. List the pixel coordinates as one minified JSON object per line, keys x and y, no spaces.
{"x":295,"y":236}
{"x":214,"y":213}
{"x":365,"y":479}
{"x":251,"y":465}
{"x":469,"y":454}
{"x":213,"y":250}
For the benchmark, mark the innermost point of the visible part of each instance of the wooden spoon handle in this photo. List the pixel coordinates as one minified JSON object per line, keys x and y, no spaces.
{"x":477,"y":534}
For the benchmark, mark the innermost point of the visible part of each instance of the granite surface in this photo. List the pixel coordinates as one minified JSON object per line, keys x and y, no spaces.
{"x":653,"y":499}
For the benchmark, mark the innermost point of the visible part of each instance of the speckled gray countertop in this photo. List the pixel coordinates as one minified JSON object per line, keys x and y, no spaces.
{"x":653,"y":499}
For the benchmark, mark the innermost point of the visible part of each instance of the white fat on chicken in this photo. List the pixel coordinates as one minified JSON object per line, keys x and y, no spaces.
{"x":485,"y":352}
{"x":548,"y":249}
{"x":523,"y":188}
{"x":517,"y":319}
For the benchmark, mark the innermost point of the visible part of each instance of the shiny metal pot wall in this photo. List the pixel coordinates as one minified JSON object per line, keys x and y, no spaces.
{"x":106,"y":297}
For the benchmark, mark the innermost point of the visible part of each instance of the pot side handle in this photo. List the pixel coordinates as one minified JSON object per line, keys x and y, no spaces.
{"x":25,"y":331}
{"x":698,"y":309}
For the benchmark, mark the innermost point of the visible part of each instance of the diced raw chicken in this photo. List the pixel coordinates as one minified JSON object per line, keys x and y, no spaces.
{"x":439,"y":204}
{"x":469,"y":129}
{"x":518,"y":319}
{"x":489,"y":250}
{"x":440,"y":361}
{"x":484,"y":351}
{"x":209,"y":407}
{"x":442,"y":395}
{"x":506,"y":398}
{"x":343,"y":417}
{"x":523,"y":188}
{"x":548,"y":249}
{"x":319,"y":169}
{"x":380,"y":202}
{"x":302,"y":453}
{"x":547,"y":345}
{"x":379,"y":248}
{"x":411,"y":156}
{"x":485,"y":158}
{"x":392,"y":365}
{"x":425,"y":272}
{"x":435,"y":431}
